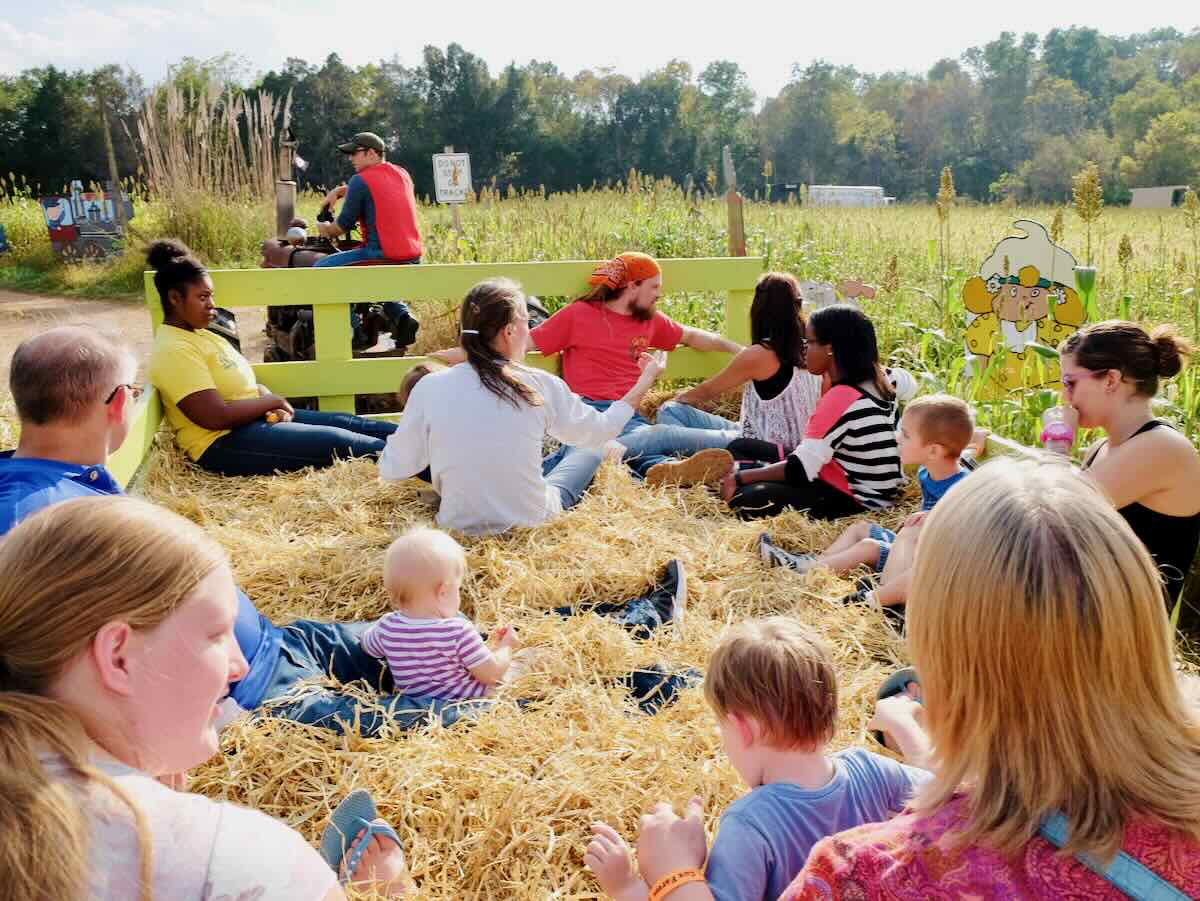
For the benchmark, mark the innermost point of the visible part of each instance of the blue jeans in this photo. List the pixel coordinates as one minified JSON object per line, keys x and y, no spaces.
{"x":571,"y":472}
{"x":311,"y":649}
{"x":349,"y":257}
{"x":312,"y":438}
{"x":635,"y":422}
{"x":680,"y":430}
{"x":885,"y":538}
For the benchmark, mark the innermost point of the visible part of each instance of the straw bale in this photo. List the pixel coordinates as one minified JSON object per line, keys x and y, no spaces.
{"x":501,"y":807}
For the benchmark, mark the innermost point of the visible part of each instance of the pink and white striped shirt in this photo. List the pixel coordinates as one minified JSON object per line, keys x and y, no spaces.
{"x":429,"y":657}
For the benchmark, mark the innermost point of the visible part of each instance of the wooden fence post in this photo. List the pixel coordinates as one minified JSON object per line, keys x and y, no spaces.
{"x":449,"y":148}
{"x":737,"y":225}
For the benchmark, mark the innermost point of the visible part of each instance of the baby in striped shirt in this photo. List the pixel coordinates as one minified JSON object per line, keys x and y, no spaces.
{"x":430,"y":648}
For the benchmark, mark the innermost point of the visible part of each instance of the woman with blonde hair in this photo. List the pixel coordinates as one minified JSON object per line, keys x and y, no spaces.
{"x":116,"y":645}
{"x":1037,"y":626}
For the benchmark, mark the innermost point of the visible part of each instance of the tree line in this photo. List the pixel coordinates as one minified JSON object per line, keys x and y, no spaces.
{"x":1013,"y":118}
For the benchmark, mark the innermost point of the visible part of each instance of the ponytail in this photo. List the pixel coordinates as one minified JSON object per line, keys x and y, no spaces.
{"x":44,"y":832}
{"x":487,"y":309}
{"x":1170,"y":350}
{"x":175,"y":267}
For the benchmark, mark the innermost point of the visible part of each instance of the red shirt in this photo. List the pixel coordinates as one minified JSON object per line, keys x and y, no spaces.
{"x":600,"y":348}
{"x":395,"y":204}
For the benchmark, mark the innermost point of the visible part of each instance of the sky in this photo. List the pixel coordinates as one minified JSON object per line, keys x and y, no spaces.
{"x":633,"y":38}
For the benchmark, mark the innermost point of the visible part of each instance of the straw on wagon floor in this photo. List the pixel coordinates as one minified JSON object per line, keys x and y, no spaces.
{"x":501,"y":808}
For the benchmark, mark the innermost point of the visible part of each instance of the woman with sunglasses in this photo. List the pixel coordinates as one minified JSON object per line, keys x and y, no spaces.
{"x":1150,"y":471}
{"x":222,"y":418}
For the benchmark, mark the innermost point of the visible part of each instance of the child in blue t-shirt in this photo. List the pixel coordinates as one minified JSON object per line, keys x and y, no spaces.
{"x":936,"y":432}
{"x":772,"y":687}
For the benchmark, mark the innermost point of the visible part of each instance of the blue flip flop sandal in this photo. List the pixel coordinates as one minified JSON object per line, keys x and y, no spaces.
{"x":893,"y":685}
{"x":355,"y":814}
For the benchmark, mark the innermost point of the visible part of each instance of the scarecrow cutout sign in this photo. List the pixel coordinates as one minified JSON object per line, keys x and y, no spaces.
{"x":1023,"y":298}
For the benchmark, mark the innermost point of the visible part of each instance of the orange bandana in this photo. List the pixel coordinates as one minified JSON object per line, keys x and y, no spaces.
{"x":626,"y":268}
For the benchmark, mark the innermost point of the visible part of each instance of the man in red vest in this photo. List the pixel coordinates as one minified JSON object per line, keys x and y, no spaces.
{"x":379,"y":199}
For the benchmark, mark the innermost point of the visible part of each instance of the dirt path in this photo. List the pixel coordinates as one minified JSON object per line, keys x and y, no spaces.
{"x":25,"y":315}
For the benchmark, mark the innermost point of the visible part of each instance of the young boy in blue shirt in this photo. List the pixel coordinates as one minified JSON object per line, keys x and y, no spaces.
{"x":936,"y":432}
{"x":772,"y":687}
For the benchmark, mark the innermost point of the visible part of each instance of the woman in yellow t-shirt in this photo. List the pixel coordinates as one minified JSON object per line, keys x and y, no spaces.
{"x":222,"y":418}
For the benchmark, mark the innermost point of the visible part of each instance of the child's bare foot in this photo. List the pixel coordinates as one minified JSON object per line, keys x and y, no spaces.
{"x":382,"y":866}
{"x":525,"y":661}
{"x":611,"y":862}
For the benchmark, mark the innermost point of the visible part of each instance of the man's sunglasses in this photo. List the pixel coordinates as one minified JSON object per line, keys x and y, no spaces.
{"x":135,"y":391}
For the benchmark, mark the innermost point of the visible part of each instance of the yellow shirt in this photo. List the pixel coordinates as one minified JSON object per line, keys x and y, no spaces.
{"x":183,"y":363}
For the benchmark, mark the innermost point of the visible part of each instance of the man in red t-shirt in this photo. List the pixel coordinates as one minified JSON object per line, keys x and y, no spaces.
{"x":601,"y":334}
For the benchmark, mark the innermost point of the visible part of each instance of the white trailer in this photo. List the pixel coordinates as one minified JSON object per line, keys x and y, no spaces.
{"x":847,"y":195}
{"x":1159,"y":198}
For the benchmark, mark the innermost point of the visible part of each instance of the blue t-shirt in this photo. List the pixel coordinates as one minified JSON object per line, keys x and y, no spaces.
{"x":27,"y":484}
{"x":358,"y":204}
{"x":932,"y":490}
{"x":764,"y":837}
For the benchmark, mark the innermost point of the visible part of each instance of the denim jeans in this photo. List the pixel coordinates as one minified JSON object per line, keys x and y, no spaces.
{"x":349,"y":257}
{"x":312,"y":438}
{"x":680,"y":431}
{"x":571,"y":472}
{"x":643,"y":614}
{"x":635,"y":422}
{"x":311,"y":649}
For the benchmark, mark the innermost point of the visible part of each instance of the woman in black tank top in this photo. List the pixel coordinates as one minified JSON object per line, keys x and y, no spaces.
{"x":1171,"y":540}
{"x":1151,"y":472}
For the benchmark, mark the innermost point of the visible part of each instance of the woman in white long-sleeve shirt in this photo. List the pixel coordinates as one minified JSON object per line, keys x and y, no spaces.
{"x":479,"y":427}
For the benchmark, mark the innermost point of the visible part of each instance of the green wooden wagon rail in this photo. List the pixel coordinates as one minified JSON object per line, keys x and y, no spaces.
{"x":335,"y":376}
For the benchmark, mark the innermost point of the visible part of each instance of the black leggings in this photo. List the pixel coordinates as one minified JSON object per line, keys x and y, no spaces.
{"x":816,"y":497}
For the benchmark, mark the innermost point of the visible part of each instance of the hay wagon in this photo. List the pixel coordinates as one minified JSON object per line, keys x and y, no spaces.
{"x":499,"y":810}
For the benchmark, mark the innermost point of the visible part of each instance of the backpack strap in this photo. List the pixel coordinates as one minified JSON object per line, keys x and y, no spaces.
{"x":1126,"y":874}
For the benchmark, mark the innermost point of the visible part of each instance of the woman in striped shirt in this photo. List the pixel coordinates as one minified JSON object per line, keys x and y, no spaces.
{"x":848,"y":461}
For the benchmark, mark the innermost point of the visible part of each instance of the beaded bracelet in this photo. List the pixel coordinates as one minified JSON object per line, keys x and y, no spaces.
{"x":672,"y":881}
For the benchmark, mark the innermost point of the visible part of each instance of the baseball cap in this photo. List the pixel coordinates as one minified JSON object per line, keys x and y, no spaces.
{"x":366,"y":140}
